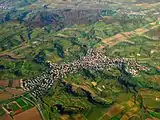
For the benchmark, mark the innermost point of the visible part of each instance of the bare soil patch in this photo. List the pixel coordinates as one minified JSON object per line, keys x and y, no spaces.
{"x":31,"y":114}
{"x":124,"y":36}
{"x":16,"y":83}
{"x":14,"y":91}
{"x":115,"y":110}
{"x":4,"y":83}
{"x":5,"y":96}
{"x":116,"y":39}
{"x":145,"y":5}
{"x":155,"y":78}
{"x":6,"y":117}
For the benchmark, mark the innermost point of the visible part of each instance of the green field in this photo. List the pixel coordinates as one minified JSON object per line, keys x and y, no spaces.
{"x":13,"y":106}
{"x":2,"y":112}
{"x":21,"y":102}
{"x":33,"y":33}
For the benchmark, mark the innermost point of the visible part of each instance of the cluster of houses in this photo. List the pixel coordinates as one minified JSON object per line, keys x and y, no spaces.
{"x":38,"y":86}
{"x":4,"y":6}
{"x":133,"y":67}
{"x":94,"y":60}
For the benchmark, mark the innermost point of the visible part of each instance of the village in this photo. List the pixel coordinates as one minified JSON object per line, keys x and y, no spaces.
{"x":94,"y":60}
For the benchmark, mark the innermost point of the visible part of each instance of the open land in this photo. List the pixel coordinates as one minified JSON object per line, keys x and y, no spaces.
{"x":93,"y":60}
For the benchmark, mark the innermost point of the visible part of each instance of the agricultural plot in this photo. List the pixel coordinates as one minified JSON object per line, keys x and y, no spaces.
{"x":33,"y":33}
{"x":13,"y":106}
{"x":14,"y":91}
{"x":3,"y":83}
{"x":29,"y":114}
{"x":5,"y":96}
{"x":21,"y":102}
{"x":6,"y":117}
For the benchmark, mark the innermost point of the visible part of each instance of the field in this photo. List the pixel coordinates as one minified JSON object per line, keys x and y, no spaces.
{"x":2,"y":112}
{"x":8,"y":93}
{"x":33,"y":32}
{"x":13,"y":106}
{"x":29,"y":114}
{"x":14,"y":91}
{"x":5,"y":117}
{"x":151,"y":98}
{"x":3,"y":83}
{"x":21,"y":102}
{"x":16,"y":83}
{"x":5,"y":96}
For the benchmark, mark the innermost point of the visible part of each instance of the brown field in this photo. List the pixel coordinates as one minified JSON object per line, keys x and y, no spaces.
{"x":111,"y":41}
{"x":79,"y":117}
{"x":14,"y":91}
{"x":6,"y":117}
{"x":124,"y":36}
{"x":154,"y":33}
{"x":31,"y":114}
{"x":114,"y":40}
{"x":75,"y":117}
{"x":9,"y":92}
{"x":115,"y":110}
{"x":155,"y":78}
{"x":135,"y":117}
{"x":124,"y":117}
{"x":140,"y":31}
{"x":153,"y":118}
{"x":64,"y":117}
{"x":16,"y":83}
{"x":4,"y":83}
{"x":5,"y":96}
{"x":145,"y":5}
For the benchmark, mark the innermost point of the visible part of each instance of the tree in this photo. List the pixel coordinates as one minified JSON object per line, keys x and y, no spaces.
{"x":40,"y":57}
{"x":59,"y":48}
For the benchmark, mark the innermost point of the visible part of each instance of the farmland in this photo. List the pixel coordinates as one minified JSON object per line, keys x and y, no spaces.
{"x":29,"y":114}
{"x":38,"y":37}
{"x":15,"y":106}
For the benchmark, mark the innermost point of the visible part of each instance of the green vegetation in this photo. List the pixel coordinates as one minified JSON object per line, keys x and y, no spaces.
{"x":31,"y":35}
{"x":21,"y":102}
{"x":2,"y":112}
{"x":28,"y":106}
{"x":13,"y":106}
{"x":93,"y":114}
{"x":13,"y":39}
{"x":40,"y":57}
{"x":19,"y":69}
{"x":155,"y":114}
